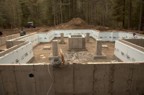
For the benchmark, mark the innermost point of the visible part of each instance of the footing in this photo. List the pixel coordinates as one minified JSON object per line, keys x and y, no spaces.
{"x":55,"y":61}
{"x":84,"y":49}
{"x":100,"y":57}
{"x":53,"y":57}
{"x":62,"y":42}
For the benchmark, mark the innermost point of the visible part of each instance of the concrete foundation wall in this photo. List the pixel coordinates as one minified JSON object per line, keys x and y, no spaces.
{"x":71,"y":32}
{"x":124,"y":35}
{"x":76,"y":79}
{"x":139,"y":42}
{"x":94,"y":34}
{"x":128,"y":52}
{"x":10,"y":43}
{"x":46,"y":37}
{"x":33,"y":38}
{"x":17,"y":55}
{"x":4,"y":39}
{"x":24,"y":80}
{"x":104,"y":36}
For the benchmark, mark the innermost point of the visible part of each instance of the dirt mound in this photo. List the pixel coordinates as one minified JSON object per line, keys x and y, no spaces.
{"x":102,"y":28}
{"x":77,"y":21}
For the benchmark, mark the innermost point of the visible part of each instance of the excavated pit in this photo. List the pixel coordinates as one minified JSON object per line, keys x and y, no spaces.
{"x":75,"y":56}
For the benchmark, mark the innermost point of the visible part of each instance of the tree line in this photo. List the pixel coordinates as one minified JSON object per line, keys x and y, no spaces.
{"x":128,"y":14}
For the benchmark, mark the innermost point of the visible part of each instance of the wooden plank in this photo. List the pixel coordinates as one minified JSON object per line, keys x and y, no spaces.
{"x":83,"y":79}
{"x":25,"y":78}
{"x":8,"y":80}
{"x":63,"y":80}
{"x":44,"y":83}
{"x":101,"y":79}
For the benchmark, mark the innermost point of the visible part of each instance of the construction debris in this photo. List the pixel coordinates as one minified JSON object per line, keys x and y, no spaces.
{"x":79,"y":57}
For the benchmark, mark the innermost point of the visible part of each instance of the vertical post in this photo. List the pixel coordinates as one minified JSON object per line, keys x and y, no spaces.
{"x":69,"y":42}
{"x":99,"y":54}
{"x":55,"y":47}
{"x":62,"y":38}
{"x":98,"y":47}
{"x":9,"y":44}
{"x":87,"y":37}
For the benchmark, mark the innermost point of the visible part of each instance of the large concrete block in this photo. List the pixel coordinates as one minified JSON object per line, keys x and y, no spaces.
{"x":77,"y":42}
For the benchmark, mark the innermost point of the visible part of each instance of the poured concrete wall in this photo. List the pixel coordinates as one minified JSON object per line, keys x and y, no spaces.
{"x":4,"y":39}
{"x":76,"y":79}
{"x":18,"y":54}
{"x":128,"y":52}
{"x":18,"y":80}
{"x":46,"y":37}
{"x":33,"y":38}
{"x":139,"y":42}
{"x":71,"y":32}
{"x":104,"y":36}
{"x":125,"y":35}
{"x":10,"y":43}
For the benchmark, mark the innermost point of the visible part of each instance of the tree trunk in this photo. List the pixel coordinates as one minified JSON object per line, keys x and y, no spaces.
{"x":61,"y":12}
{"x":130,"y":14}
{"x":141,"y":15}
{"x":124,"y":14}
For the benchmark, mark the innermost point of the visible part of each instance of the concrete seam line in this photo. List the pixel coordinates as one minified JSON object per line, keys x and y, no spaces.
{"x":51,"y":79}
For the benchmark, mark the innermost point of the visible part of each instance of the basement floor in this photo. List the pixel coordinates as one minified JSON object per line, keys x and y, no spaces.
{"x":43,"y":51}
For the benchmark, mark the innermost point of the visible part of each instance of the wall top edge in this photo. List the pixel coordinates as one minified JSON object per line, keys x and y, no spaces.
{"x":89,"y":63}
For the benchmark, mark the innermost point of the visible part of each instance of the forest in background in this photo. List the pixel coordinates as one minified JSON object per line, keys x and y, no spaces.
{"x":125,"y":14}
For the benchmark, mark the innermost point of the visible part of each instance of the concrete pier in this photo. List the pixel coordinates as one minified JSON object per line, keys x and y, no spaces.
{"x":55,"y":47}
{"x":87,"y":37}
{"x":62,"y":39}
{"x":77,"y":42}
{"x":98,"y":47}
{"x":99,"y":53}
{"x":55,"y":58}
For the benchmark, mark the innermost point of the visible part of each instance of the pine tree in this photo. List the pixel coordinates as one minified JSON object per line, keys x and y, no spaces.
{"x":119,"y":11}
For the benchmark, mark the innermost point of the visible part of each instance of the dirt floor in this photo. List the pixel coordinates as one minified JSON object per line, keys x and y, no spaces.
{"x":42,"y":55}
